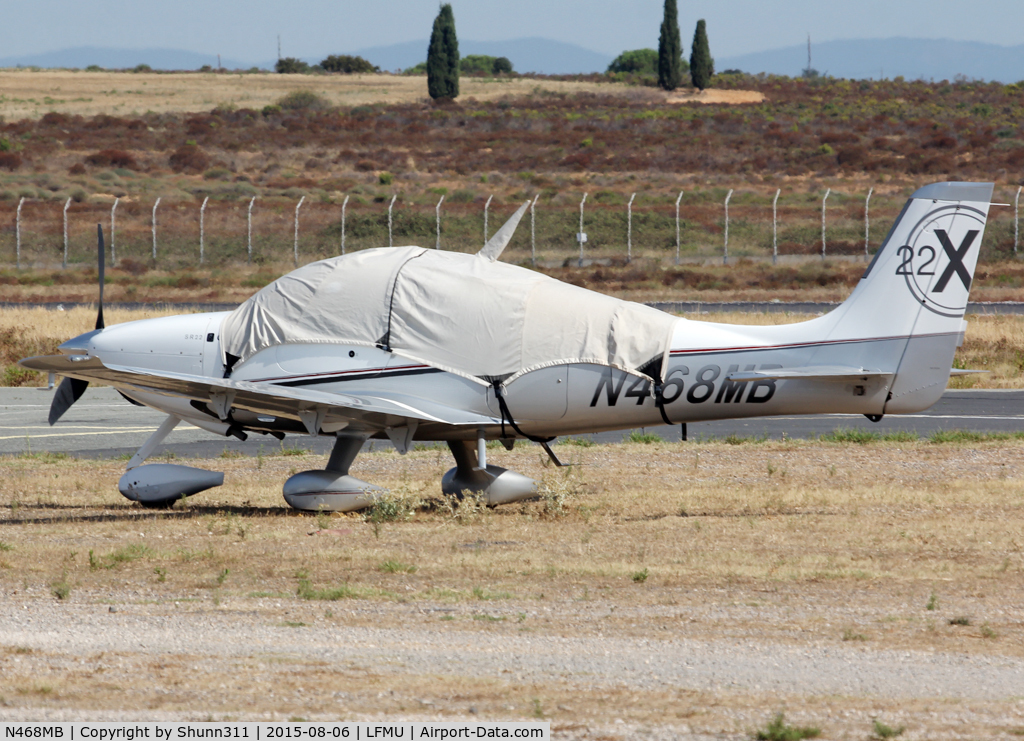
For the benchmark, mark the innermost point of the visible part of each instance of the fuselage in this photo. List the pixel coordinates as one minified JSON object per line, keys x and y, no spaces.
{"x":556,"y":400}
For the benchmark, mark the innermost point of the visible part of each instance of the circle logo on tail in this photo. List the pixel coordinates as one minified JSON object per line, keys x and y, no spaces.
{"x":934,"y":258}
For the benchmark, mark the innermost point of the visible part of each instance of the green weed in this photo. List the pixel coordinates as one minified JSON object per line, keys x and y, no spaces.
{"x":60,"y":588}
{"x":644,"y":438}
{"x":851,"y":435}
{"x":640,"y":577}
{"x":397,"y":567}
{"x":483,"y":594}
{"x":881,"y":730}
{"x":127,"y":554}
{"x":779,"y":730}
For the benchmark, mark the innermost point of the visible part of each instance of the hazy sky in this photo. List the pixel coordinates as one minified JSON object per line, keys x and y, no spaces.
{"x":247,"y":30}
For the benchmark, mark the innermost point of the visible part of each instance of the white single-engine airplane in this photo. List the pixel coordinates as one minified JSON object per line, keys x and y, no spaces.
{"x":412,"y":344}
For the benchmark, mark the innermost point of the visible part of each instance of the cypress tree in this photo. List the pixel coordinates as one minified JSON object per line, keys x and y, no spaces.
{"x":443,"y":56}
{"x":670,"y":51}
{"x":702,"y":66}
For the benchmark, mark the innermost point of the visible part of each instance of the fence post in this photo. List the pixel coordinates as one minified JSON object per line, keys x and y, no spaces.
{"x":486,"y":208}
{"x":202,"y":231}
{"x":113,"y":251}
{"x":677,"y":225}
{"x":344,"y":204}
{"x":867,"y":222}
{"x":581,"y":237}
{"x":296,"y":243}
{"x":66,"y":205}
{"x":629,"y":229}
{"x":1016,"y":220}
{"x":17,"y":236}
{"x":437,"y":211}
{"x":725,"y":249}
{"x":775,"y":227}
{"x":827,"y":191}
{"x":248,"y":230}
{"x":154,"y":228}
{"x":390,"y":206}
{"x":533,"y":232}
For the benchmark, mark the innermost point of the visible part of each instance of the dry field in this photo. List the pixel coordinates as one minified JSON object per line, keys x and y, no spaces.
{"x":31,"y":94}
{"x":993,"y":343}
{"x":837,"y":582}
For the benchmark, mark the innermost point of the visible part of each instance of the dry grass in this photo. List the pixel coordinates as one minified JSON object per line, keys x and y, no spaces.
{"x":30,"y":94}
{"x":738,"y":541}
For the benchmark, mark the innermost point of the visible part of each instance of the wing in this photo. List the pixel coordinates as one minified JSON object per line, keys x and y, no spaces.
{"x":377,"y":411}
{"x":811,"y":372}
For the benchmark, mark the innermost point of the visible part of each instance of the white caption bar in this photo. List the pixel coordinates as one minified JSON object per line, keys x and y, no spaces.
{"x":271,"y":731}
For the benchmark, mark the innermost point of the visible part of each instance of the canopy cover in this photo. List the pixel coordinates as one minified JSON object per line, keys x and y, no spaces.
{"x":484,"y":320}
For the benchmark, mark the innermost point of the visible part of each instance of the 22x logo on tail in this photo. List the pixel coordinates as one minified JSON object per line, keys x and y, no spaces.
{"x":929,"y":272}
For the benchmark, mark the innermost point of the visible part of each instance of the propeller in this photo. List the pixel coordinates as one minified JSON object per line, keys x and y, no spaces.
{"x":101,"y":261}
{"x":71,"y":389}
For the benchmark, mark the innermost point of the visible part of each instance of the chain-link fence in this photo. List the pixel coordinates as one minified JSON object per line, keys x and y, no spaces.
{"x":691,"y":226}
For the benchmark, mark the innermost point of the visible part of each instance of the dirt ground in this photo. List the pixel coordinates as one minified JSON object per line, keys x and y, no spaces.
{"x":657,"y":590}
{"x":30,"y":94}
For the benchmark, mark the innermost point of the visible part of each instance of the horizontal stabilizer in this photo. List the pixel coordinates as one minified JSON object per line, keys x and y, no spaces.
{"x":811,"y":372}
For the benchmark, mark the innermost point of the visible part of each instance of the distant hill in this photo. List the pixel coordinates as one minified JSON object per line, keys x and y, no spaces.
{"x":527,"y":55}
{"x":938,"y":59}
{"x":83,"y":56}
{"x":854,"y":58}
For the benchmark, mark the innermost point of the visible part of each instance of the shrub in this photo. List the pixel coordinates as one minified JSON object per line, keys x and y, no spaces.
{"x":302,"y":100}
{"x":189,"y":158}
{"x":637,"y":61}
{"x":111,"y":158}
{"x":502,"y":66}
{"x":76,"y":169}
{"x":10,"y":161}
{"x":348,"y":64}
{"x":386,"y":178}
{"x":291,"y":66}
{"x":142,"y":68}
{"x":479,"y":64}
{"x":217,"y":173}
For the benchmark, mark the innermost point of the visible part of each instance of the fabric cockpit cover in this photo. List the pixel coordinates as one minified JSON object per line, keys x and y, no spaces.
{"x":487,"y":321}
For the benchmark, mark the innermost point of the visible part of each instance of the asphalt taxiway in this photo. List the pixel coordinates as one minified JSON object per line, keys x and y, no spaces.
{"x":103,"y":425}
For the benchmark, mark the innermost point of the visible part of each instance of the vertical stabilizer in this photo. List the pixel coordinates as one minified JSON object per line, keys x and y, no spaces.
{"x":918,"y":285}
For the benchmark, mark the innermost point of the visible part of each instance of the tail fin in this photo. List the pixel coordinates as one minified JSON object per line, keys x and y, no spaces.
{"x":917,"y":288}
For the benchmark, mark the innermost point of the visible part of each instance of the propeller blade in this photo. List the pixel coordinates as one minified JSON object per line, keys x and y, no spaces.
{"x":102,"y":263}
{"x":69,"y":391}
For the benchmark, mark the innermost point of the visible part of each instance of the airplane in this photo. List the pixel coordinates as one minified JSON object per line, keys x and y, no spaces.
{"x":413,"y":344}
